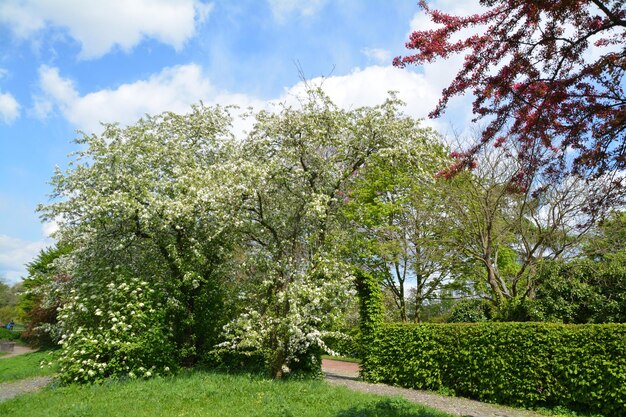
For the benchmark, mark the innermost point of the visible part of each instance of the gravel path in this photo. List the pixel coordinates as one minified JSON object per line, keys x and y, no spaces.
{"x":347,"y":374}
{"x":23,"y":386}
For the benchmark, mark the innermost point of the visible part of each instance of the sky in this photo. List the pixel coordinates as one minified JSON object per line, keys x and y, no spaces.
{"x":68,"y":66}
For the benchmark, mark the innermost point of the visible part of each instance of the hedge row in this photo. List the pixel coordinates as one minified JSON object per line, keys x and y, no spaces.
{"x":582,"y":367}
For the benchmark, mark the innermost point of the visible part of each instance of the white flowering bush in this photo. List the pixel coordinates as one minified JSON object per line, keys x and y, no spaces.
{"x":291,"y":327}
{"x":114,"y":330}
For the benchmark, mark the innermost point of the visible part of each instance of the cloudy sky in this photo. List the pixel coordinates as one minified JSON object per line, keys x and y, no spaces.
{"x":68,"y":65}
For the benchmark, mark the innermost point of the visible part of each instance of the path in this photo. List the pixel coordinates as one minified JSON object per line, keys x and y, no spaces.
{"x":18,"y":350}
{"x":12,"y":389}
{"x":347,"y":374}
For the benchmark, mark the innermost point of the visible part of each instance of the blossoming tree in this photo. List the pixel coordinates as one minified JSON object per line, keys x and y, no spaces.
{"x":546,"y":71}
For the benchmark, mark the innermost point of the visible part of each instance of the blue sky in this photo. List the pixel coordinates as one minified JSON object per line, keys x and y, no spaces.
{"x":68,"y":65}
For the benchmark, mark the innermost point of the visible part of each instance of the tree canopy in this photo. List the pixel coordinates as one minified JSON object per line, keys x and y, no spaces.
{"x":542,"y":73}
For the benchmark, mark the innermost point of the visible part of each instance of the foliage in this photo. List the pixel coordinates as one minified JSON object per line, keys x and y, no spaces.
{"x":6,"y":334}
{"x":347,"y":344}
{"x":607,"y":238}
{"x":536,"y":81}
{"x":40,"y":296}
{"x":120,"y":333}
{"x":300,"y":164}
{"x":583,"y":290}
{"x":372,"y":315}
{"x":500,"y":233}
{"x":8,"y":300}
{"x":28,"y":365}
{"x":468,"y":311}
{"x":209,"y":395}
{"x":149,"y":203}
{"x":521,"y":364}
{"x":394,"y":209}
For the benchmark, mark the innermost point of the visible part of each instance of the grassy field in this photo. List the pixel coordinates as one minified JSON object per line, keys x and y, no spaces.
{"x":25,"y":366}
{"x":210,"y":394}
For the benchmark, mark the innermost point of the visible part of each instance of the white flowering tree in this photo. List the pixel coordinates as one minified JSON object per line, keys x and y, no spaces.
{"x":301,"y":165}
{"x":152,"y":203}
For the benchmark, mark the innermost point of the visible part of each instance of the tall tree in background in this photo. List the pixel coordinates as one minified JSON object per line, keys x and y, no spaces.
{"x":395,"y":213}
{"x":507,"y":230}
{"x":551,"y":71}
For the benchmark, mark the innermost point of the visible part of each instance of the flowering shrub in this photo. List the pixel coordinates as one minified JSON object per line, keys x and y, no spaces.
{"x":294,"y":335}
{"x":114,"y":330}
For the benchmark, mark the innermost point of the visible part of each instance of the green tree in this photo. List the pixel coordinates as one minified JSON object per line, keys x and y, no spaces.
{"x":505,"y":230}
{"x":8,"y":300}
{"x":42,"y":295}
{"x":152,"y":202}
{"x":303,"y":163}
{"x":395,"y":211}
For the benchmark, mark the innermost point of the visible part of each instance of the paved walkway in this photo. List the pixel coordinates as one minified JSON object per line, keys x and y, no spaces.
{"x":347,"y":374}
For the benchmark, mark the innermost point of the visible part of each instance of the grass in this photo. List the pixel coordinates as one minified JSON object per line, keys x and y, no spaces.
{"x":25,"y":366}
{"x":342,"y":358}
{"x":210,"y":394}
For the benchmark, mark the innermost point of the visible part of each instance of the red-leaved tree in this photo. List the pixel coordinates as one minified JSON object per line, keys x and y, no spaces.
{"x":546,"y":74}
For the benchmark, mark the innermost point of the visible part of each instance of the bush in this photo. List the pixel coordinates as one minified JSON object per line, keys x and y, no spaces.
{"x":348,"y":345}
{"x":6,"y":334}
{"x":469,"y":311}
{"x":119,"y":333}
{"x":582,"y":367}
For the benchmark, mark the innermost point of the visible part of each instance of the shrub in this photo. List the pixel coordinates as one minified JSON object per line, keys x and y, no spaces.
{"x":348,"y":344}
{"x":468,"y":311}
{"x":582,"y":367}
{"x":6,"y":334}
{"x":119,"y":332}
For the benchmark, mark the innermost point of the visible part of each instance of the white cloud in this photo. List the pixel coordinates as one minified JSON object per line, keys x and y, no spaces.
{"x":282,"y":9}
{"x":176,"y":88}
{"x":378,"y":55}
{"x":370,"y":86}
{"x":99,"y":26}
{"x":9,"y":108}
{"x":15,"y":254}
{"x":172,"y":89}
{"x":49,"y":228}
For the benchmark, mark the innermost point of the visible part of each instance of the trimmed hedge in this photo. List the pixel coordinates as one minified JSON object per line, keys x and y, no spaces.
{"x":582,"y":367}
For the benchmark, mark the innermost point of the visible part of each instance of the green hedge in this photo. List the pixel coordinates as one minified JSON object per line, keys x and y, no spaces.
{"x":582,"y":367}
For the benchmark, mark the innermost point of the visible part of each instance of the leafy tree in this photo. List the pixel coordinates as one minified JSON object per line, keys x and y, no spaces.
{"x":608,"y":237}
{"x":395,"y":209}
{"x":303,"y":163}
{"x":42,"y":295}
{"x":542,"y":72}
{"x":150,"y":203}
{"x":504,"y":231}
{"x":582,"y":291}
{"x":8,"y":300}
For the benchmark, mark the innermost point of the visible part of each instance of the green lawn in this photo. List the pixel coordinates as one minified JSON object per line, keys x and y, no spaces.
{"x":342,"y":358}
{"x":25,"y":366}
{"x":210,"y":394}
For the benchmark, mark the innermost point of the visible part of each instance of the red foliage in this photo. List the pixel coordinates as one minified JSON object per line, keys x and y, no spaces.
{"x":535,"y":82}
